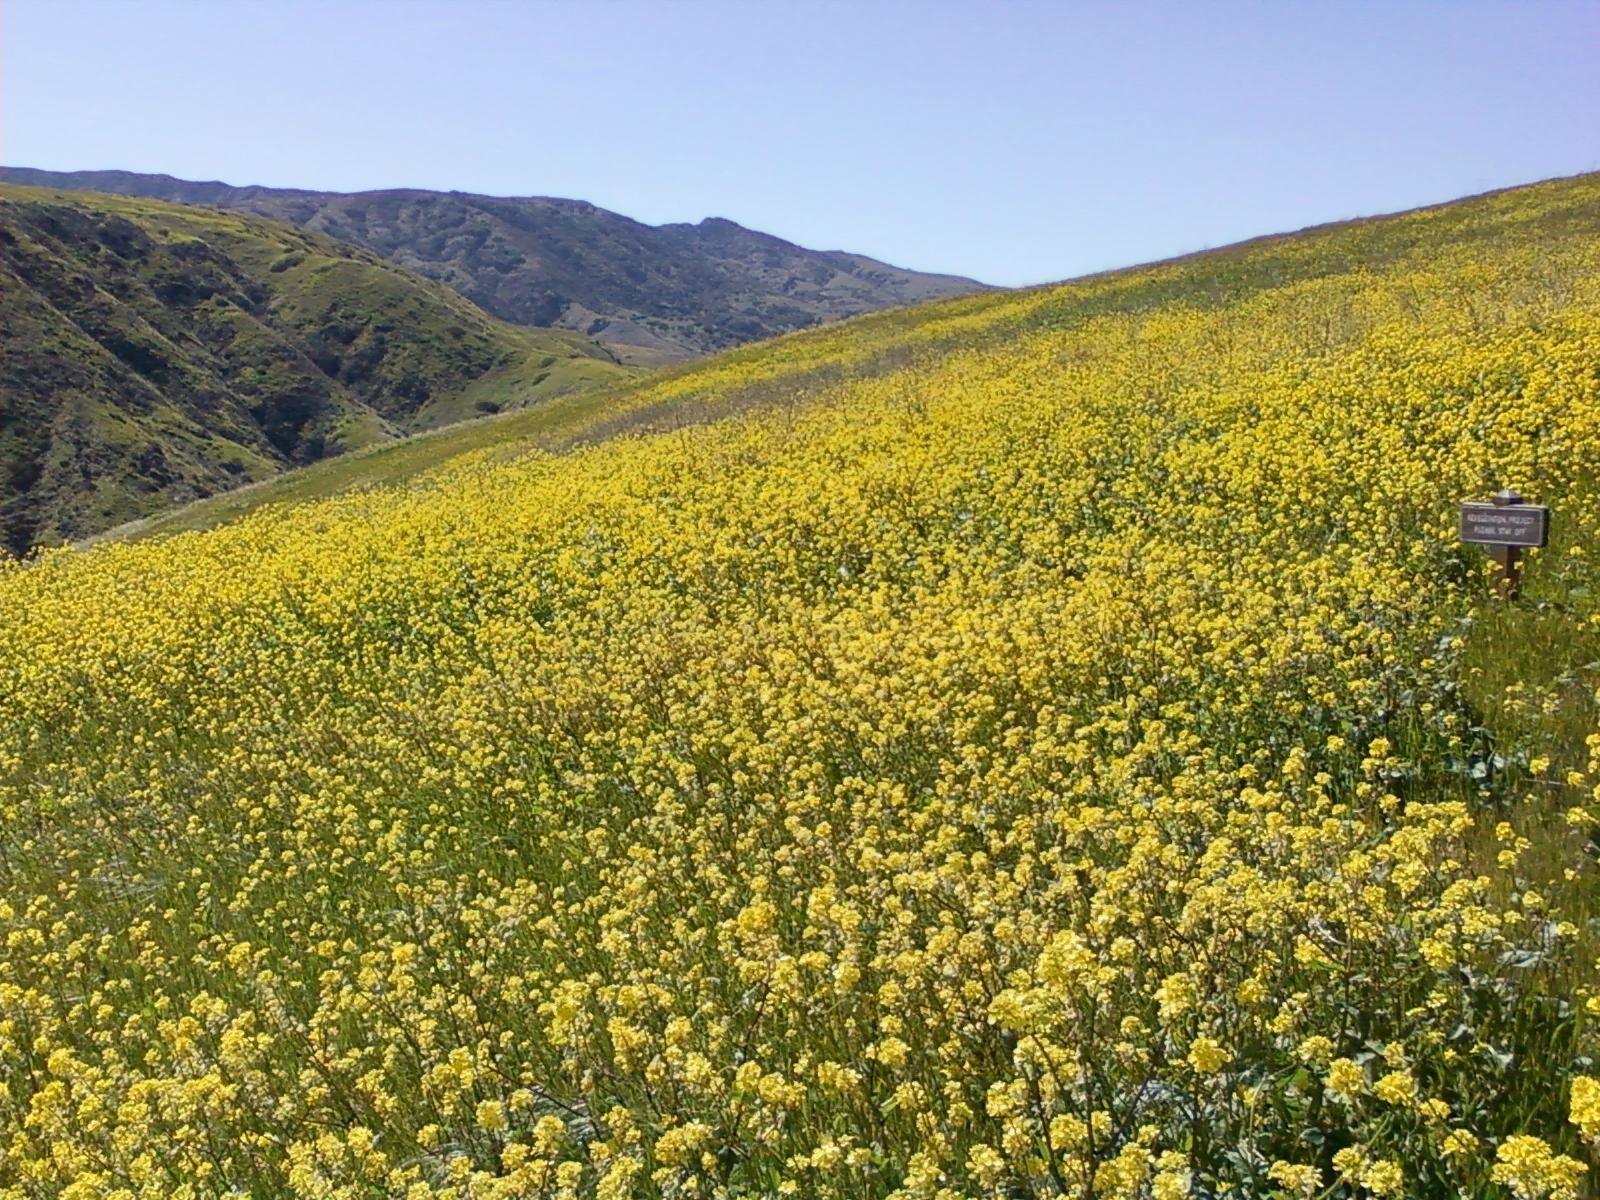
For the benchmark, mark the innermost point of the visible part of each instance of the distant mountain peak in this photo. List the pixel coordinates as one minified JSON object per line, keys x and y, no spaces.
{"x":653,"y":293}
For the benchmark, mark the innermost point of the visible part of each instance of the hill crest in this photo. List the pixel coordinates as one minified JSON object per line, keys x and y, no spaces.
{"x":653,"y":293}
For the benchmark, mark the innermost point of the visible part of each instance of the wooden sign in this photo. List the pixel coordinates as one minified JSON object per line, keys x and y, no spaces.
{"x":1506,"y":524}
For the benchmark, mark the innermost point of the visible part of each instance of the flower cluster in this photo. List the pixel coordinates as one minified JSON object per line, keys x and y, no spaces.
{"x":1017,"y":749}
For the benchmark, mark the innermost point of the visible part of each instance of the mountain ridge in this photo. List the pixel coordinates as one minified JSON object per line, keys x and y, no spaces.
{"x":653,"y":293}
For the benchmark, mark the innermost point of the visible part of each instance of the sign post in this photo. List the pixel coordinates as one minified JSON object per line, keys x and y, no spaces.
{"x":1505,"y":524}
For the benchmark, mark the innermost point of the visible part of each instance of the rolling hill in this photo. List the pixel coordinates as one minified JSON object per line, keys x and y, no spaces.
{"x":653,"y":294}
{"x":1045,"y":744}
{"x":151,"y":353}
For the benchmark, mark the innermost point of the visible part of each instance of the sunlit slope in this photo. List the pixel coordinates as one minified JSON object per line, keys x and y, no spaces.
{"x":1028,"y":748}
{"x":152,"y":352}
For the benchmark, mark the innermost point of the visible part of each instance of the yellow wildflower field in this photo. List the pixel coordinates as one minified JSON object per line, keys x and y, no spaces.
{"x":1018,"y":748}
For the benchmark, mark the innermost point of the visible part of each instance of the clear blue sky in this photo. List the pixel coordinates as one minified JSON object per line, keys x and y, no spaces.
{"x":1016,"y":142}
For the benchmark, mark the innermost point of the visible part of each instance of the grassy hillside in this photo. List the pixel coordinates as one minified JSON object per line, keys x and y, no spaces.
{"x":1038,"y":745}
{"x":150,"y":353}
{"x":653,"y":294}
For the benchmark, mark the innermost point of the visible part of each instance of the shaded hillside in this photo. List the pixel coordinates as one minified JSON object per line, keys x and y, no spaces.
{"x":151,"y":353}
{"x":654,"y":293}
